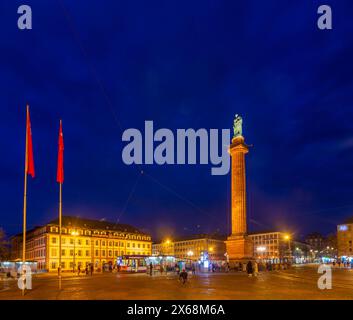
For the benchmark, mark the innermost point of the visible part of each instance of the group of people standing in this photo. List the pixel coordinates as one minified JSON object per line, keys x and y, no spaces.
{"x":344,"y":264}
{"x":88,"y":270}
{"x":252,"y":269}
{"x":260,"y":266}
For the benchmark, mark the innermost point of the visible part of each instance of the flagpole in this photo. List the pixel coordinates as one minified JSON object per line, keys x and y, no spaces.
{"x":60,"y":223}
{"x":25,"y":205}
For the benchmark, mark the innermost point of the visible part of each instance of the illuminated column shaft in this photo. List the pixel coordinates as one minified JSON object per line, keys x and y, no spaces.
{"x":238,"y":149}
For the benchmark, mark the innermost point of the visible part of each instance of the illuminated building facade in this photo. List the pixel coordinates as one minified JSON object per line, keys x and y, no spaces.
{"x":83,"y":242}
{"x":193,"y":247}
{"x":277,"y":247}
{"x":316,"y":241}
{"x":345,"y":239}
{"x":271,"y":245}
{"x":165,"y":248}
{"x":324,"y":248}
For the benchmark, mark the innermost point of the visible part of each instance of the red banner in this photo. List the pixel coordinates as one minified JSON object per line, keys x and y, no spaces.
{"x":29,"y":151}
{"x":60,"y":171}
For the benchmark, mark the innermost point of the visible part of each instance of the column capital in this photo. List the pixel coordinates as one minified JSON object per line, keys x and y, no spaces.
{"x":238,"y":145}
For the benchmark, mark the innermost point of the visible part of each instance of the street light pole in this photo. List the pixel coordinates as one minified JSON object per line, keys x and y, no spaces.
{"x":287,"y":237}
{"x":74,"y":254}
{"x":74,"y":233}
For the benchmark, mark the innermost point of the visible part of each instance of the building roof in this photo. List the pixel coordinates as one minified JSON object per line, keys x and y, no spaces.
{"x":213,"y":236}
{"x":264,"y":232}
{"x":348,"y":220}
{"x":95,"y":224}
{"x":314,"y":235}
{"x":28,"y":232}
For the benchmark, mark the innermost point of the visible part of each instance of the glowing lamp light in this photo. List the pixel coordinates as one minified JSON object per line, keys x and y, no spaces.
{"x":74,"y":233}
{"x":190,"y":253}
{"x":261,"y":249}
{"x":343,"y":228}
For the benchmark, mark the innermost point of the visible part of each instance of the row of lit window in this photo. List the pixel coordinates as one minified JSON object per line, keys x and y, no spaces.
{"x":270,"y":253}
{"x":35,"y":254}
{"x":96,"y":232}
{"x":188,"y":249}
{"x":265,"y":236}
{"x":103,"y":242}
{"x":194,"y":242}
{"x":54,"y":265}
{"x":87,"y":253}
{"x":35,"y":243}
{"x":55,"y":240}
{"x":274,"y":242}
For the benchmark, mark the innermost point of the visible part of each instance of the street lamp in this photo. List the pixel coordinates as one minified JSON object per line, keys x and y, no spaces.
{"x":74,"y":233}
{"x":211,"y":252}
{"x":166,"y":247}
{"x":260,"y":251}
{"x":287,"y":238}
{"x":190,"y":253}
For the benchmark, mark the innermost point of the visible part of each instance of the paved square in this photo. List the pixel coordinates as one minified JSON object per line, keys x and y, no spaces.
{"x":297,"y":283}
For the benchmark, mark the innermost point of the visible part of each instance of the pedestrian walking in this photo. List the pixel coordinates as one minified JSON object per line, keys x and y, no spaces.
{"x":249,"y":269}
{"x":177,"y":269}
{"x":78,"y":270}
{"x":151,"y":268}
{"x":256,"y":269}
{"x":183,"y":277}
{"x":193,"y":269}
{"x":91,"y":269}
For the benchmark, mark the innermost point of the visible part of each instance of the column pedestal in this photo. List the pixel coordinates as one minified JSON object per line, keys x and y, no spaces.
{"x":239,"y":248}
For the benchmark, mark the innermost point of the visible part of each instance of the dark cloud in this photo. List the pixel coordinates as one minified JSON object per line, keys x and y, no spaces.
{"x":104,"y":67}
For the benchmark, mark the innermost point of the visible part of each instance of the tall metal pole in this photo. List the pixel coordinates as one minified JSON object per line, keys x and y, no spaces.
{"x":74,"y":253}
{"x":25,"y":205}
{"x":290,"y":251}
{"x":60,"y":216}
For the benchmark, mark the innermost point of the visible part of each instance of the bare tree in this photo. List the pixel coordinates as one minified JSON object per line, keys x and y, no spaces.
{"x":4,"y":250}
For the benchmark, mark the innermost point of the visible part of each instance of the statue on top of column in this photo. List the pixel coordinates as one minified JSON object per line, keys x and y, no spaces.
{"x":238,"y":126}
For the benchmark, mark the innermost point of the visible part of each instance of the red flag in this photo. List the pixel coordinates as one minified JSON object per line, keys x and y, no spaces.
{"x":60,"y":172}
{"x":29,"y":151}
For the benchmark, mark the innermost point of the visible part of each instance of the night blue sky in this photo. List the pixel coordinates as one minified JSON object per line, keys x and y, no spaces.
{"x":104,"y":66}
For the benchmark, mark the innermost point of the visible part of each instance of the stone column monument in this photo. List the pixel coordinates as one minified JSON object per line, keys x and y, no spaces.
{"x":239,"y":246}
